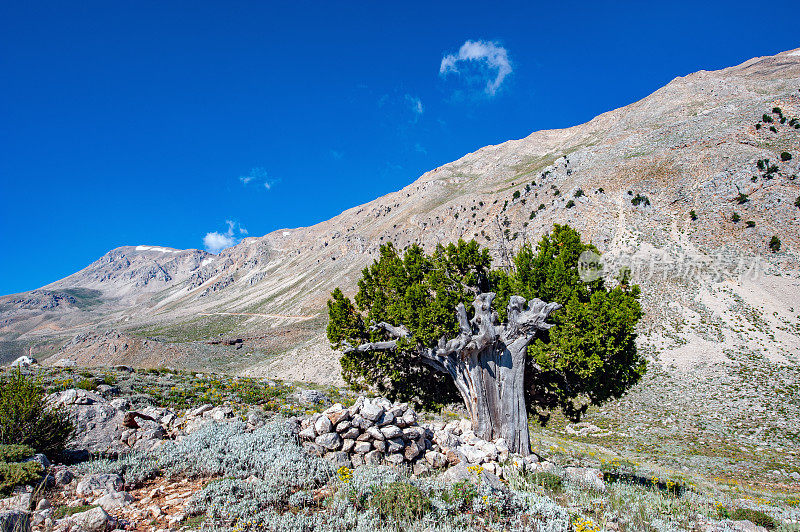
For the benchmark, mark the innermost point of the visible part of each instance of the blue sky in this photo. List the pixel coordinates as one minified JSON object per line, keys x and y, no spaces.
{"x":185,"y":124}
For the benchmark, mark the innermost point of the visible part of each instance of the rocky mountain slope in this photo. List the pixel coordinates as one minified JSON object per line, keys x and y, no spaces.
{"x":627,"y":180}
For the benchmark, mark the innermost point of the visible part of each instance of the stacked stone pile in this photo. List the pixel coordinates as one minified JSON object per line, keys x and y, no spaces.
{"x":372,"y":431}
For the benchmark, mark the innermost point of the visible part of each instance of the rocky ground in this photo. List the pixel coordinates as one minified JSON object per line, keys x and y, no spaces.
{"x":163,"y":449}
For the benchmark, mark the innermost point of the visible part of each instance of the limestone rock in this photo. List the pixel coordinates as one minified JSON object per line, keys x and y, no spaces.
{"x":114,"y":500}
{"x":587,"y":476}
{"x":323,"y":425}
{"x":94,"y":520}
{"x":99,"y":484}
{"x":330,"y":441}
{"x":373,"y":458}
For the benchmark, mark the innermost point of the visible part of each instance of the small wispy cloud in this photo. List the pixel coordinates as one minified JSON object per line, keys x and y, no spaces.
{"x":336,"y":154}
{"x":489,"y":56}
{"x":258,"y":175}
{"x":215,"y":241}
{"x":416,"y":105}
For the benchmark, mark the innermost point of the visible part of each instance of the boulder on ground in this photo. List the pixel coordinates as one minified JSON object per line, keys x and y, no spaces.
{"x":98,"y":423}
{"x":115,"y":499}
{"x":94,"y":520}
{"x":474,"y":474}
{"x":99,"y":484}
{"x":586,"y":476}
{"x":23,"y":362}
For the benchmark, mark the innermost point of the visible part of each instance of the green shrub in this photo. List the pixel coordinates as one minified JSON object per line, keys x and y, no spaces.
{"x":775,"y":244}
{"x":777,"y":111}
{"x":25,"y":419}
{"x":693,"y":215}
{"x":754,"y":516}
{"x":516,"y":194}
{"x":766,"y":118}
{"x":15,"y":474}
{"x":463,"y":493}
{"x":15,"y":453}
{"x":570,"y":204}
{"x":773,"y":129}
{"x":549,"y":481}
{"x":742,"y":198}
{"x":578,"y":193}
{"x":88,"y":384}
{"x":65,"y":511}
{"x":750,"y":223}
{"x":722,"y":512}
{"x":786,"y":156}
{"x":639,"y":199}
{"x":797,"y":202}
{"x":735,"y":218}
{"x":400,"y":501}
{"x":758,"y":126}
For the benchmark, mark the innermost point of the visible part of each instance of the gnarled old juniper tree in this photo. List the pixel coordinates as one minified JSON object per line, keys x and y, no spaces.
{"x":412,"y":335}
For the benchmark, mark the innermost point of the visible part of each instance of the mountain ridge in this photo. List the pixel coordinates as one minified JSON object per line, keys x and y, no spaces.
{"x":690,"y":145}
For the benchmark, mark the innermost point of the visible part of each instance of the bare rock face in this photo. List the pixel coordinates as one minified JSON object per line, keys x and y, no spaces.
{"x":99,"y":425}
{"x":587,"y":476}
{"x":94,"y":520}
{"x":99,"y":484}
{"x":23,"y":362}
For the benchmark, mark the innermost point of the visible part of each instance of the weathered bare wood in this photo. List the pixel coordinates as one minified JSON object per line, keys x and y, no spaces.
{"x":486,"y":361}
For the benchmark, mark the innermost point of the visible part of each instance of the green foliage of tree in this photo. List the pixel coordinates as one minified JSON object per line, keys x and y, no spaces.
{"x":15,"y":474}
{"x":735,"y":217}
{"x":587,"y":357}
{"x":786,"y":156}
{"x":15,"y":452}
{"x":26,"y":419}
{"x":775,"y":244}
{"x":693,"y":215}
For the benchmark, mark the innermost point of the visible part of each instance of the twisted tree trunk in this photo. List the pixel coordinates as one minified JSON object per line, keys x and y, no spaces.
{"x":487,"y":363}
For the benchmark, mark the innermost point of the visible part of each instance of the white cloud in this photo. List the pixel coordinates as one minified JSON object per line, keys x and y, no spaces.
{"x":259,"y":175}
{"x":415,"y":104}
{"x":215,"y":241}
{"x":489,"y":53}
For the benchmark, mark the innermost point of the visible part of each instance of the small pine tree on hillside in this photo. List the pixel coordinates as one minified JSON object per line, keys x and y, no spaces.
{"x":26,"y":419}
